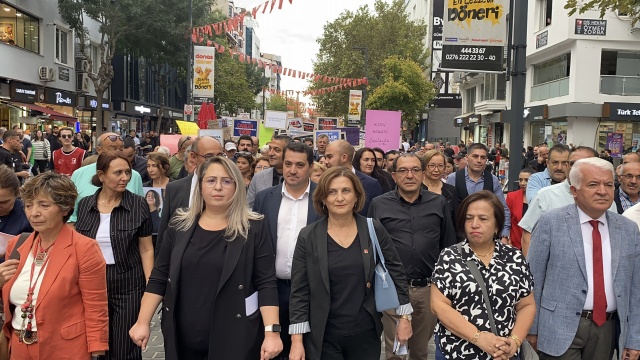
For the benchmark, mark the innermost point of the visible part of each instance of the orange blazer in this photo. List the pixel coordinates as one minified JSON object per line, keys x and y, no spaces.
{"x":71,"y":309}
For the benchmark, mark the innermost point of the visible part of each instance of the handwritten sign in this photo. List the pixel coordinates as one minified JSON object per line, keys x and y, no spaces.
{"x":188,"y":128}
{"x":383,"y":129}
{"x":276,"y":119}
{"x":245,"y":127}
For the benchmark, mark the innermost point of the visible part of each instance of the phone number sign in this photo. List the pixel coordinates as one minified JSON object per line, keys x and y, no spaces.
{"x":471,"y":57}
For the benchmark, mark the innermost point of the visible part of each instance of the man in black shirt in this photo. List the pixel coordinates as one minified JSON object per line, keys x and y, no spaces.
{"x":540,"y":163}
{"x":54,"y":142}
{"x":418,"y":221}
{"x":10,"y":153}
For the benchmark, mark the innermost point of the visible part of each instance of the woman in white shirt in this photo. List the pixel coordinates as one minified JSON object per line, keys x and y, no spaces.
{"x":41,"y":153}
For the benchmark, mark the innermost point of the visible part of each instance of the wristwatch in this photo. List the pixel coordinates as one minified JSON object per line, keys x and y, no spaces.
{"x":273,"y":328}
{"x":406,"y":317}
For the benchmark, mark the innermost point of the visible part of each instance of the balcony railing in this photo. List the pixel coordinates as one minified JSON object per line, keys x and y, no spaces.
{"x":550,"y":89}
{"x":619,"y":85}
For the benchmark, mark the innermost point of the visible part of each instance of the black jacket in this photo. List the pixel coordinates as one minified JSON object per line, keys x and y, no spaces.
{"x":176,"y":196}
{"x":310,"y":279}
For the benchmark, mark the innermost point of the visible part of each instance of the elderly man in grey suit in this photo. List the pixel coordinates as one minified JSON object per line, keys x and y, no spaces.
{"x":272,"y":176}
{"x":584,"y":260}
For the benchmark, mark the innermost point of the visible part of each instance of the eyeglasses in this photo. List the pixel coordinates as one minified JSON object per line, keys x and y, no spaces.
{"x":66,"y":136}
{"x":404,"y":172}
{"x":112,"y":138}
{"x":226,"y":182}
{"x":184,"y":141}
{"x":435,"y":166}
{"x":631,"y":177}
{"x":262,"y":167}
{"x":209,"y":156}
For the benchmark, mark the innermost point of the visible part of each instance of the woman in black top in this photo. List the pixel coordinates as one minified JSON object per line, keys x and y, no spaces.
{"x":341,"y":322}
{"x":214,"y":271}
{"x":432,"y":180}
{"x":79,"y":142}
{"x":121,"y":224}
{"x":153,"y":200}
{"x":365,"y":161}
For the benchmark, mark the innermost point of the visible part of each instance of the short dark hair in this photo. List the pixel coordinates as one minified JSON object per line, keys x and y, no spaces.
{"x":286,"y":138}
{"x":67,"y":129}
{"x":593,"y":152}
{"x":528,"y":170}
{"x":483,"y":195}
{"x":390,"y":152}
{"x":560,"y":148}
{"x":423,"y":163}
{"x":245,"y":137}
{"x":476,"y":146}
{"x":299,"y":148}
{"x":103,"y":163}
{"x":129,"y":143}
{"x":378,"y":150}
{"x":9,"y":134}
{"x":322,"y":191}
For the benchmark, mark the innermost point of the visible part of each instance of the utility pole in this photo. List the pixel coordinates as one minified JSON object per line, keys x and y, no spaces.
{"x":189,"y":65}
{"x":518,"y":87}
{"x":365,"y":51}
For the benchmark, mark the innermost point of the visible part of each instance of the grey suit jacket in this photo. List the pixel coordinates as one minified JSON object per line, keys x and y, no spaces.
{"x":557,"y":261}
{"x":261,"y":181}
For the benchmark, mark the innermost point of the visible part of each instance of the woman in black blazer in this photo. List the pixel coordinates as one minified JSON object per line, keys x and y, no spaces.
{"x":341,"y":322}
{"x":214,"y":271}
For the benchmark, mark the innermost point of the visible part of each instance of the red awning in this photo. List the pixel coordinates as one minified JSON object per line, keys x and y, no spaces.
{"x":54,"y":115}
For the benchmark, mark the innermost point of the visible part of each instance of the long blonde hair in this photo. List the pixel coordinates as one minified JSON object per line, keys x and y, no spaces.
{"x":238,"y":213}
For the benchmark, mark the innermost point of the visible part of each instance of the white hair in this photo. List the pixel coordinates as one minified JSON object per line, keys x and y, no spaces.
{"x":163,"y":149}
{"x":576,"y":174}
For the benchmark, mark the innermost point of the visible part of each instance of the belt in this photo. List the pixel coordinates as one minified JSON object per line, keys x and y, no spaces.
{"x":419,"y":282}
{"x":588,"y":314}
{"x":27,"y":340}
{"x":284,"y":281}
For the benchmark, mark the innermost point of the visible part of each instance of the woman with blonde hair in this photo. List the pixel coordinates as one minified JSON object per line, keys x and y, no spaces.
{"x":214,"y":271}
{"x":318,"y":170}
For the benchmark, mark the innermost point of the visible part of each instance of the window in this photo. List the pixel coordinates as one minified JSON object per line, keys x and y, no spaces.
{"x":552,"y":70}
{"x":19,"y":29}
{"x":62,"y":45}
{"x":95,"y":58}
{"x":620,"y":63}
{"x":494,"y":87}
{"x":546,"y":13}
{"x":470,"y":100}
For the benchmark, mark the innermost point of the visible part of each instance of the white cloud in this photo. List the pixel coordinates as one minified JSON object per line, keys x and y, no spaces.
{"x":292,"y":31}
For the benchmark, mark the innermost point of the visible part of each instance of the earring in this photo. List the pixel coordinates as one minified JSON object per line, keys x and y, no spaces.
{"x":324,"y":206}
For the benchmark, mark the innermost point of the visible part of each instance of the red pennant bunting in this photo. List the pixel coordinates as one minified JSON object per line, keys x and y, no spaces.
{"x":266,"y":4}
{"x":209,"y":42}
{"x":255,"y":10}
{"x":280,"y":5}
{"x":273,"y":3}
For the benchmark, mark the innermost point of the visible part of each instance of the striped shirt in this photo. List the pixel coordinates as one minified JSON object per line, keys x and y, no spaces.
{"x":39,"y":149}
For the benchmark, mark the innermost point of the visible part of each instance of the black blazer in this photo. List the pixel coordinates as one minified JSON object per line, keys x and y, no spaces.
{"x":310,"y":279}
{"x":268,"y":202}
{"x":249,"y":266}
{"x":371,"y":188}
{"x":176,"y":196}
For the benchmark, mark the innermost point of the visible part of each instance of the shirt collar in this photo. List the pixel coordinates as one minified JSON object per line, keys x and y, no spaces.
{"x":623,"y":193}
{"x":402,"y":199}
{"x":286,"y":193}
{"x":584,"y":218}
{"x":353,"y":169}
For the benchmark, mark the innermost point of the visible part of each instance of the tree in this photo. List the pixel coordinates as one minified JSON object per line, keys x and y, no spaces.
{"x":386,"y":32}
{"x":277,"y":103}
{"x":115,"y":19}
{"x":629,"y":7}
{"x":232,"y":89}
{"x":405,"y":88}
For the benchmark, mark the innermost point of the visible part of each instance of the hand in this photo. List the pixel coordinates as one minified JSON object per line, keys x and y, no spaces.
{"x":140,"y":333}
{"x":533,"y":341}
{"x":23,"y":174}
{"x":493,"y":345}
{"x":297,"y":351}
{"x":505,"y":240}
{"x":271,"y":346}
{"x":404,"y":331}
{"x":630,"y":354}
{"x":7,"y":270}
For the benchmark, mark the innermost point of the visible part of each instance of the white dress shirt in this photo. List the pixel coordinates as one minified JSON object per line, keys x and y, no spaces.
{"x":194,"y":181}
{"x":587,"y":240}
{"x":292,"y":217}
{"x":20,"y":288}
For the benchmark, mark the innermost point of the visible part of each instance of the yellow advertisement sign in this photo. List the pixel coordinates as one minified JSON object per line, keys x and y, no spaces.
{"x":203,"y":71}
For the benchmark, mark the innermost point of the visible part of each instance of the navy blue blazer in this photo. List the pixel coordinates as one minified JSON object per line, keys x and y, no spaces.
{"x":268,"y":202}
{"x":372,"y":189}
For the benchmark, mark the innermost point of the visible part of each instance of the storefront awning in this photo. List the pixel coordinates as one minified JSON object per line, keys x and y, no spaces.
{"x":54,"y":115}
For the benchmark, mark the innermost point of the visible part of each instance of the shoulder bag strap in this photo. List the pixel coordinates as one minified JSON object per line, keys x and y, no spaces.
{"x":15,"y":255}
{"x":374,"y":241}
{"x":485,"y":295}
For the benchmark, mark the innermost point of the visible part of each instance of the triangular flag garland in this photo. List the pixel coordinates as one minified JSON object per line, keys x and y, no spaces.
{"x":235,"y":22}
{"x":343,"y":83}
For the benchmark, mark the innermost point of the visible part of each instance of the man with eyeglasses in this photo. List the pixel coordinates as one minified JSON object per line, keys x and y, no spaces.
{"x":107,"y":143}
{"x":420,"y":226}
{"x":179,"y":193}
{"x":554,"y":172}
{"x":628,"y":194}
{"x":69,"y":158}
{"x":475,"y":177}
{"x":176,"y":162}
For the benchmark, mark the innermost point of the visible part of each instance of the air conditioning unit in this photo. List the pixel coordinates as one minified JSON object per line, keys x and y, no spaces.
{"x":82,"y":66}
{"x":82,"y":83}
{"x":46,"y":73}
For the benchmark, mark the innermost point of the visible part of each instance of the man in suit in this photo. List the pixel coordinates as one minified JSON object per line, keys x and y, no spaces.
{"x":272,"y":176}
{"x":178,"y":193}
{"x":287,"y":208}
{"x":584,"y":260}
{"x":628,"y":194}
{"x":340,"y":153}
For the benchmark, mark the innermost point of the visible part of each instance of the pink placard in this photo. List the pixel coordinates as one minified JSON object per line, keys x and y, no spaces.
{"x":170,"y":141}
{"x":383,"y":129}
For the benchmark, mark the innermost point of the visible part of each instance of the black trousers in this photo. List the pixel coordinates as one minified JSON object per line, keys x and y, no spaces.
{"x":364,"y":346}
{"x":39,"y":166}
{"x":124,"y":291}
{"x":284,"y":292}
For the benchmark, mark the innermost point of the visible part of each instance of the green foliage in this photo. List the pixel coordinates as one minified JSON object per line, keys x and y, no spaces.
{"x":385,"y":32}
{"x":277,"y":103}
{"x":405,"y":88}
{"x":630,"y":7}
{"x":232,"y":90}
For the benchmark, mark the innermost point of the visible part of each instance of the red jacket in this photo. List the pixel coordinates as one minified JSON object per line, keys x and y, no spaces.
{"x":514,"y":202}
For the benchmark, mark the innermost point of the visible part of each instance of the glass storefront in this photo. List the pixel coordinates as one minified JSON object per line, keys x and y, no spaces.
{"x":10,"y":116}
{"x":550,"y":132}
{"x":619,"y":136}
{"x":19,"y":29}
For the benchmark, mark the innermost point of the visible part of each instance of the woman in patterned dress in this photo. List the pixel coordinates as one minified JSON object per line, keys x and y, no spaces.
{"x":463,"y":330}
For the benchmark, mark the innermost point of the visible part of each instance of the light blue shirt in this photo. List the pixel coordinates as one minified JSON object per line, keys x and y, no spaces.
{"x":82,"y":179}
{"x":536,"y":182}
{"x":475,"y":186}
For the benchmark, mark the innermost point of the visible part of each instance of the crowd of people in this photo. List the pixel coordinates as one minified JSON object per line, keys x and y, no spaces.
{"x":276,"y":252}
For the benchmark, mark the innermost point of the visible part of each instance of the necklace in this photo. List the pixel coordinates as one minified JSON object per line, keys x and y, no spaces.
{"x":40,"y":259}
{"x":481,"y":255}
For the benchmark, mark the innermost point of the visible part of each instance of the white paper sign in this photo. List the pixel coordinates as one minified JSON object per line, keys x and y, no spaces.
{"x":276,"y":119}
{"x":217,"y":134}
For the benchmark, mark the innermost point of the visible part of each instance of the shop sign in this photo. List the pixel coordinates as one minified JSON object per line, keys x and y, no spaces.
{"x":535,"y":113}
{"x":475,"y":119}
{"x":59,"y":97}
{"x":448,"y":100}
{"x":143,"y":110}
{"x":63,"y":73}
{"x":542,"y":39}
{"x":461,"y":121}
{"x":621,"y":111}
{"x":133,"y":108}
{"x":93,"y":103}
{"x":23,"y":92}
{"x":591,"y":27}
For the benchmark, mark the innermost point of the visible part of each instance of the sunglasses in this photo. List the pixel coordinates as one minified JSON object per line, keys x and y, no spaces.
{"x":184,"y":141}
{"x":66,"y":136}
{"x":112,"y":138}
